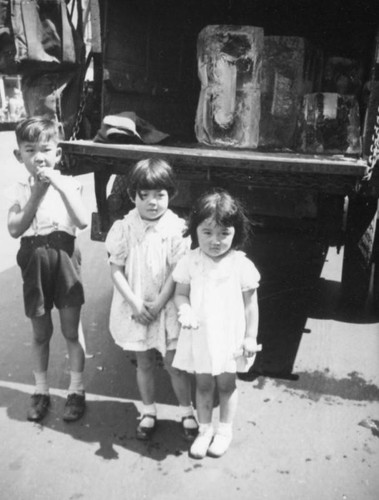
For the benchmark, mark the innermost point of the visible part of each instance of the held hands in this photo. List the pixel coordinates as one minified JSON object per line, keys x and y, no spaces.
{"x":142,"y":313}
{"x":187,"y":317}
{"x":153,"y":307}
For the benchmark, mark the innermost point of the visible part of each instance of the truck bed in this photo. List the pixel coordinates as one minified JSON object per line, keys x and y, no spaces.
{"x":333,"y":174}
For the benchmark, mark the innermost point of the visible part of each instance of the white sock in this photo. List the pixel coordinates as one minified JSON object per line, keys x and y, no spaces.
{"x":76,"y":383}
{"x":187,"y":411}
{"x":148,"y":410}
{"x":42,"y":387}
{"x":205,"y":429}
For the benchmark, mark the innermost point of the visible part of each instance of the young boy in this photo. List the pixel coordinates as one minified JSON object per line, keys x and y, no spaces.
{"x":46,"y":210}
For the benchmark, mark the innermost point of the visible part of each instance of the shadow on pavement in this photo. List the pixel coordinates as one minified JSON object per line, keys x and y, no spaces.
{"x":108,"y":423}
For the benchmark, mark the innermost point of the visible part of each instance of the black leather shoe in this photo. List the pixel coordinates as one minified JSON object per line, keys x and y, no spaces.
{"x":144,"y":433}
{"x":39,"y":406}
{"x":74,"y":408}
{"x":189,"y":434}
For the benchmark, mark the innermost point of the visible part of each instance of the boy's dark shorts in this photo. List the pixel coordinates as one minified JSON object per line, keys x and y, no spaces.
{"x":50,"y":267}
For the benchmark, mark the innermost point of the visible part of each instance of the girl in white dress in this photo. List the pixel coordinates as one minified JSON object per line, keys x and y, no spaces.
{"x":216,"y":296}
{"x":143,"y":249}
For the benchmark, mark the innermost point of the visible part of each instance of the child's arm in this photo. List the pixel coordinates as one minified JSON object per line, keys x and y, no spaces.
{"x":71,"y":197}
{"x":19,"y":219}
{"x":250,"y":346}
{"x":140,"y":313}
{"x":185,"y":314}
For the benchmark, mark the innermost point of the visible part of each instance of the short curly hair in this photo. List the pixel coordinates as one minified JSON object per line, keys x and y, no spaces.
{"x":225,"y":210}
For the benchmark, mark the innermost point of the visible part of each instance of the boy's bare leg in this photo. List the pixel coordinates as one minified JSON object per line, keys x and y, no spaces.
{"x":40,"y":400}
{"x":42,"y":332}
{"x":75,"y":404}
{"x":82,"y":340}
{"x":70,"y":318}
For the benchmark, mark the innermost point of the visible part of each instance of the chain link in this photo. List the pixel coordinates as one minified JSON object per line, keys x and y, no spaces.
{"x":79,"y":116}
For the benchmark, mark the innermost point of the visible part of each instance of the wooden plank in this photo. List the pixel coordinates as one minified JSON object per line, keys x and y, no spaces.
{"x":208,"y":157}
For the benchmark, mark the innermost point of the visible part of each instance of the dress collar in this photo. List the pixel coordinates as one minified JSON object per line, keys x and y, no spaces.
{"x":165,"y":225}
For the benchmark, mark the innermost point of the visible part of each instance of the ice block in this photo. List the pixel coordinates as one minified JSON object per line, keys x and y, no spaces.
{"x":229,"y":68}
{"x":329,"y":123}
{"x":291,"y":68}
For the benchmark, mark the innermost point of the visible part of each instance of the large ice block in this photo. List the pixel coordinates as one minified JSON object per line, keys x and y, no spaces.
{"x":291,"y":68}
{"x":229,"y":67}
{"x":329,"y":123}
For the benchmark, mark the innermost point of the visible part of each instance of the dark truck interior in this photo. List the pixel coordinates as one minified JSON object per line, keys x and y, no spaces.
{"x":150,"y":49}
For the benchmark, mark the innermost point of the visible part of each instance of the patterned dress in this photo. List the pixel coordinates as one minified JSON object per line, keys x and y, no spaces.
{"x":148,"y":251}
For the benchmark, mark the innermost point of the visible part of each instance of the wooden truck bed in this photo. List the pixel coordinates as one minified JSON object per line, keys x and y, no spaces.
{"x":274,"y":184}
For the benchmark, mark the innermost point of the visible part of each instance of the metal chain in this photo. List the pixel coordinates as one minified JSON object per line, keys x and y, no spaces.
{"x":79,"y":116}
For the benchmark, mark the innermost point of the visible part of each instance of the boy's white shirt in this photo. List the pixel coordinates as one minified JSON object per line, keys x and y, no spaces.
{"x":52,"y":213}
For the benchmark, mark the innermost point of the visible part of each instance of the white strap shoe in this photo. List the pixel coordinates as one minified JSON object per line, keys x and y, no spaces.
{"x":201,"y":444}
{"x":220,"y":444}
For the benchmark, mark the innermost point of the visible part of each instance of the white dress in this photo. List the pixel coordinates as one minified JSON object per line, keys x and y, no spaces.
{"x":148,"y":251}
{"x":217,"y":301}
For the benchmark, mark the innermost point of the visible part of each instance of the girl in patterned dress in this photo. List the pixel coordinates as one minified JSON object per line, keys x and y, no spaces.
{"x":143,"y":249}
{"x":216,"y":296}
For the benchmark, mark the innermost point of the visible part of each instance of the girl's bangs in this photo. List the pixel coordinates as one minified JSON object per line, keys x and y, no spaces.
{"x":153,"y":180}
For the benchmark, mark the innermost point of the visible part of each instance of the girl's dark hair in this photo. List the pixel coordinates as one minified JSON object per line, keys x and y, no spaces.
{"x":151,"y":173}
{"x":225,"y":210}
{"x":38,"y":128}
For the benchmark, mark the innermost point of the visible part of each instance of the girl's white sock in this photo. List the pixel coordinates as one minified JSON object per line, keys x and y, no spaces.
{"x":76,"y":383}
{"x":206,"y":429}
{"x":148,"y":410}
{"x":187,"y":411}
{"x":42,"y":387}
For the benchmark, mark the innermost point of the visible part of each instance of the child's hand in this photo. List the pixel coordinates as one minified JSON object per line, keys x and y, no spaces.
{"x":50,"y":176}
{"x":153,"y":307}
{"x":187,"y":317}
{"x":141,"y":314}
{"x":39,"y":187}
{"x":250,"y":347}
